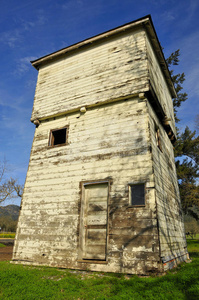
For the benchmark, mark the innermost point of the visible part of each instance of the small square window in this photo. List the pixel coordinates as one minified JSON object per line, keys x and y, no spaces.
{"x":137,"y":194}
{"x":58,"y":137}
{"x":158,"y":138}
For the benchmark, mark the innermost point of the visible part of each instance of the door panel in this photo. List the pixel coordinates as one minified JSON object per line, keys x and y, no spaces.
{"x":95,"y":221}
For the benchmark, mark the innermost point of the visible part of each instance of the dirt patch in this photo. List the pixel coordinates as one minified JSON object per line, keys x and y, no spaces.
{"x":6,"y":253}
{"x":7,"y":242}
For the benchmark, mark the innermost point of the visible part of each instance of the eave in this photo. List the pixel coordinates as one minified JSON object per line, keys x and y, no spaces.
{"x":145,"y":22}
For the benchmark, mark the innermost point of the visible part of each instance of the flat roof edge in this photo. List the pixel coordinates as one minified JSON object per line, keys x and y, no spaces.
{"x":106,"y":34}
{"x":147,"y":24}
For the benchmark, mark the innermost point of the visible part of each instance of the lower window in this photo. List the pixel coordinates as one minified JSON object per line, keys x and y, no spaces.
{"x":137,"y":194}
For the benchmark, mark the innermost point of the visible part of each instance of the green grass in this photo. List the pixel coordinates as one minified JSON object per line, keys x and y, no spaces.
{"x":1,"y":245}
{"x":8,"y":235}
{"x":193,"y":248}
{"x":25,"y":282}
{"x":196,"y":236}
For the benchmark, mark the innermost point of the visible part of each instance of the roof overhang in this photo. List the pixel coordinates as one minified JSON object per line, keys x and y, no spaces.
{"x":145,"y":22}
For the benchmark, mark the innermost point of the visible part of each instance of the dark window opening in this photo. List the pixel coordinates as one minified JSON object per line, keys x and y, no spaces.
{"x":137,"y":194}
{"x":58,"y":137}
{"x":158,"y":138}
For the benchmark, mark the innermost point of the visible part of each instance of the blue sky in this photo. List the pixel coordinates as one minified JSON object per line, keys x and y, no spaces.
{"x":30,"y":29}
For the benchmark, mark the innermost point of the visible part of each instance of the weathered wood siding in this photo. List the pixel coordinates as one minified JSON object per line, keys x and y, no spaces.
{"x":112,"y":143}
{"x":170,"y":218}
{"x":111,"y":69}
{"x":107,"y":142}
{"x":159,"y":84}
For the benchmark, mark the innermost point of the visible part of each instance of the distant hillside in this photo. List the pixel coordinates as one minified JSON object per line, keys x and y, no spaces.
{"x":10,"y":211}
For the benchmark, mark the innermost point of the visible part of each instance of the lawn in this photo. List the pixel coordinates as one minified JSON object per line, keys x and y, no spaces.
{"x":25,"y":282}
{"x":196,"y":236}
{"x":7,"y":235}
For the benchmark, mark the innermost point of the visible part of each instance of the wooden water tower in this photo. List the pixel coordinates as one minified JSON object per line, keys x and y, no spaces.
{"x":101,"y":191}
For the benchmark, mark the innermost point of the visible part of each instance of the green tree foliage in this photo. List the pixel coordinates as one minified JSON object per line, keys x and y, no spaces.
{"x":7,"y":224}
{"x":191,"y":226}
{"x":187,"y":165}
{"x":197,"y":123}
{"x":186,"y":149}
{"x":188,"y":144}
{"x":178,"y":80}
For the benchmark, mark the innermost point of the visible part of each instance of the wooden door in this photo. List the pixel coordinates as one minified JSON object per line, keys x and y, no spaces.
{"x":95,"y":221}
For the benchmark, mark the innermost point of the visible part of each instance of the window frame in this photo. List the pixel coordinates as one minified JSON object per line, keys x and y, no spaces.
{"x":130,"y":194}
{"x":51,"y":137}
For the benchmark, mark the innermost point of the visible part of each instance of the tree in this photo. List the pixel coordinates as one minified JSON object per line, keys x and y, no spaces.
{"x":191,"y":226}
{"x":9,"y":188}
{"x":178,"y":80}
{"x":187,"y":166}
{"x":7,"y":224}
{"x":197,"y":123}
{"x":186,"y":149}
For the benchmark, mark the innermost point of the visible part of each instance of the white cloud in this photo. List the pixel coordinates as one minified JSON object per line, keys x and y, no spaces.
{"x":191,"y":9}
{"x":39,"y":20}
{"x":11,"y":38}
{"x":177,"y":15}
{"x":169,"y":16}
{"x":190,"y":62}
{"x":23,"y":65}
{"x":10,"y":101}
{"x":70,"y":4}
{"x":83,"y":10}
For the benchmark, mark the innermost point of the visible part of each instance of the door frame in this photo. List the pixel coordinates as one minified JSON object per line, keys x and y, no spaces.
{"x":81,"y":218}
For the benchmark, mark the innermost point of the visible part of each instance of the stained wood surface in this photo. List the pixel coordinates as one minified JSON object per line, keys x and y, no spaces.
{"x":111,"y":141}
{"x":159,"y":84}
{"x":114,"y":141}
{"x":111,"y":69}
{"x":170,"y":217}
{"x":94,"y":227}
